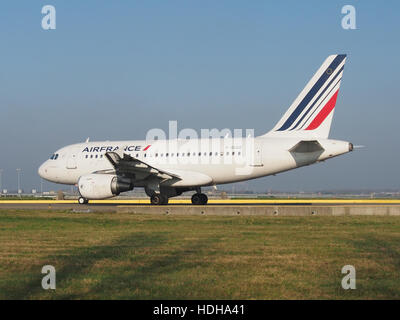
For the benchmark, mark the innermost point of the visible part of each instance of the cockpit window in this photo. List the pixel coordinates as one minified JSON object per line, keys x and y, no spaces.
{"x":54,"y":156}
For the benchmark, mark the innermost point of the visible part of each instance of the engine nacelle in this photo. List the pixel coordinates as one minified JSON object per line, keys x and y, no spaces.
{"x":102,"y":186}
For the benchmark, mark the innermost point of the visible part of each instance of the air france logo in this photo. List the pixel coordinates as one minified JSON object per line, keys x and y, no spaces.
{"x":111,"y":148}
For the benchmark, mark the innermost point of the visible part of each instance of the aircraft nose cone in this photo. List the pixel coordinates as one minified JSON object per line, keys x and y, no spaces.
{"x":42,"y":171}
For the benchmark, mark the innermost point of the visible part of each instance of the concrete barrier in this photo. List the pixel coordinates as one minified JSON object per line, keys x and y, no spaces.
{"x":265,"y":210}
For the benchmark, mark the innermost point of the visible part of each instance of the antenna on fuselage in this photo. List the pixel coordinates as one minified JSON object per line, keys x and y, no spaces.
{"x":87,"y":139}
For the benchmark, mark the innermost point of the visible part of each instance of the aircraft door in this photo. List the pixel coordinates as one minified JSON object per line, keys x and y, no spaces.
{"x":257,"y":155}
{"x":71,"y":160}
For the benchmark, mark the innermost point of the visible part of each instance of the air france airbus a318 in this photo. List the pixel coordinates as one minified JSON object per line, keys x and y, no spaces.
{"x":167,"y":168}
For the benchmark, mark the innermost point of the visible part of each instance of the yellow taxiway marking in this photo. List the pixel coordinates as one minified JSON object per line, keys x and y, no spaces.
{"x":216,"y":201}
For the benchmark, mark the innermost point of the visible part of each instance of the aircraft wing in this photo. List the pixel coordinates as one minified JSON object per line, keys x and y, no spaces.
{"x":129,"y":166}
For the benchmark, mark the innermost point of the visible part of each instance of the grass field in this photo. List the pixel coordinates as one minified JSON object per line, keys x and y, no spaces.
{"x":126,"y":256}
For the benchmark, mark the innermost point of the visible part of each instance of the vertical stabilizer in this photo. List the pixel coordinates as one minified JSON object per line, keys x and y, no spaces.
{"x":311,"y":113}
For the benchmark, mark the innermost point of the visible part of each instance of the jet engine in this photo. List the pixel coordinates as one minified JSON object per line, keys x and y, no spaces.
{"x":102,"y":186}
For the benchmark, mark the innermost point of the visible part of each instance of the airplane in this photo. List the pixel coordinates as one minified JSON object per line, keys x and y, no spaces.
{"x":167,"y":168}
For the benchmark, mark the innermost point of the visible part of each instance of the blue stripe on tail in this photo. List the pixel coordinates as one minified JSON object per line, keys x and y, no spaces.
{"x":316,"y":100}
{"x":324,"y":77}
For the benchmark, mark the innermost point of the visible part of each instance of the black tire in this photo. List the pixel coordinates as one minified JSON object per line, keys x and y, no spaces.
{"x":159,"y":199}
{"x":156,"y":199}
{"x":83,"y":200}
{"x":204,"y":198}
{"x":196,"y":199}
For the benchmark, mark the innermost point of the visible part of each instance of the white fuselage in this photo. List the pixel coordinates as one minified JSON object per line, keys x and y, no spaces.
{"x":167,"y":168}
{"x":199,"y":162}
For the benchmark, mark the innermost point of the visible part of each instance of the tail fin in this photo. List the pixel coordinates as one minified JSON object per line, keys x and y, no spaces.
{"x":311,"y":113}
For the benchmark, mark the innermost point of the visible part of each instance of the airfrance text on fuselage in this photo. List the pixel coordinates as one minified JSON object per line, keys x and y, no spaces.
{"x":110,"y":148}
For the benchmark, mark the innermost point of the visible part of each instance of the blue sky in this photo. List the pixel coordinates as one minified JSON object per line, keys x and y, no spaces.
{"x":114,"y":70}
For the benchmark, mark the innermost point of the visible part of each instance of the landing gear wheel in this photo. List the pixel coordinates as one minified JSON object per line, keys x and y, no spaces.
{"x":83,"y":200}
{"x":196,"y":199}
{"x":204,"y":198}
{"x":199,"y":198}
{"x":155,"y":199}
{"x":158,"y":199}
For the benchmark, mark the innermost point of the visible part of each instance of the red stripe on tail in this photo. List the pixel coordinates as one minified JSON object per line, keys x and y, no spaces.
{"x":326,"y":110}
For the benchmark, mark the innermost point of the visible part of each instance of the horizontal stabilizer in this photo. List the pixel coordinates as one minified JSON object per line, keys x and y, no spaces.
{"x":307,"y":147}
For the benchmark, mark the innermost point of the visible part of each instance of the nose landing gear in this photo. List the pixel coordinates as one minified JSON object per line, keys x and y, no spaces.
{"x":83,"y":200}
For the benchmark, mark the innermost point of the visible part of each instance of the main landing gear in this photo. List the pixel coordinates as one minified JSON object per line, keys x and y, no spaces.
{"x":161,"y":199}
{"x":199,"y":199}
{"x":83,"y":200}
{"x":158,"y":199}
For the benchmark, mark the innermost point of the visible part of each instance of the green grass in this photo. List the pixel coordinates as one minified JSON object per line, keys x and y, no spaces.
{"x":126,"y":256}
